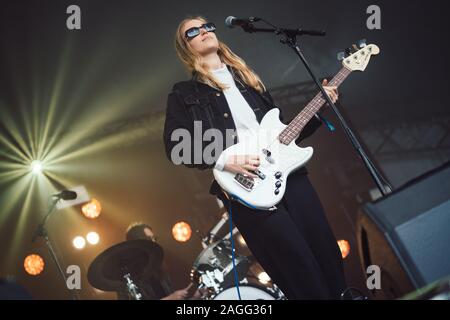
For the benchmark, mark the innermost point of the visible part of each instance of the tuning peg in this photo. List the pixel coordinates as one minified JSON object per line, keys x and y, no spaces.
{"x":362,"y":43}
{"x":355,"y":47}
{"x":348,"y":52}
{"x":341,"y":55}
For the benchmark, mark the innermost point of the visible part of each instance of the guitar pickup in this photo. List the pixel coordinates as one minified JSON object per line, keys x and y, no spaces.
{"x":246,"y":182}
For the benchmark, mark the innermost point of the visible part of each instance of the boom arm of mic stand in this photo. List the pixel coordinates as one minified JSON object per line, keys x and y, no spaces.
{"x":251,"y":29}
{"x":288,"y":32}
{"x":291,"y":41}
{"x":40,"y":230}
{"x":376,"y":176}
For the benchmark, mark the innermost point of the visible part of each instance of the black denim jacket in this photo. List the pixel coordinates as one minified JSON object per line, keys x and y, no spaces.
{"x":192,"y":101}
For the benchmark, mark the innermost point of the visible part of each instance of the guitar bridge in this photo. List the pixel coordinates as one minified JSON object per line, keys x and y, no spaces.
{"x":245,"y":182}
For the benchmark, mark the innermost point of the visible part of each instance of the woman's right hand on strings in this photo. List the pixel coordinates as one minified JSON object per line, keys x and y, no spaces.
{"x":244,"y":164}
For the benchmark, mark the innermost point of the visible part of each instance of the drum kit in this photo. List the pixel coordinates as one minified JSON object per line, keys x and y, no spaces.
{"x":122,"y":265}
{"x":213,"y":272}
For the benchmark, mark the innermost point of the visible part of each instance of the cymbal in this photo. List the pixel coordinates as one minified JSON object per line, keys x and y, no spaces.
{"x":136,"y":257}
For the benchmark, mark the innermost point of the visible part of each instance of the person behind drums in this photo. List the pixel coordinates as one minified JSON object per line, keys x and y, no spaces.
{"x":156,"y":286}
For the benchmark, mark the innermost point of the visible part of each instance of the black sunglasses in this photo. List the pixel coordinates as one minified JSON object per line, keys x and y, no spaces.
{"x":191,"y":33}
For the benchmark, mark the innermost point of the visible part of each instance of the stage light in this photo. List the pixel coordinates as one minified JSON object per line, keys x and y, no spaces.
{"x":79,"y":242}
{"x":181,"y":231}
{"x":36,"y":167}
{"x":33,"y":264}
{"x":92,"y":209}
{"x":93,"y":238}
{"x":344,"y":246}
{"x":264,"y":278}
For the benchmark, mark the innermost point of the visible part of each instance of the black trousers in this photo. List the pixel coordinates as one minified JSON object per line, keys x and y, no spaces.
{"x":294,"y":244}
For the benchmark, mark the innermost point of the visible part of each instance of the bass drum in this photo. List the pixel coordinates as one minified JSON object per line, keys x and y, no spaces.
{"x":248,"y":292}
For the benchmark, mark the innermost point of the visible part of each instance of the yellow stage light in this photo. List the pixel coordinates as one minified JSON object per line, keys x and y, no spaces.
{"x":36,"y":167}
{"x":92,"y":209}
{"x":79,"y":242}
{"x":93,"y":238}
{"x":181,"y":231}
{"x":344,"y":245}
{"x":34,"y":264}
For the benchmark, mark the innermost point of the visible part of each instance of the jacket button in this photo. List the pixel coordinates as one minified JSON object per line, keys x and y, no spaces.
{"x":226,"y":115}
{"x":218,"y":94}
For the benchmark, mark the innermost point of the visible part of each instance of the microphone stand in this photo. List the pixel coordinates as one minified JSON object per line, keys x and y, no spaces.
{"x":290,"y":39}
{"x":41,"y":231}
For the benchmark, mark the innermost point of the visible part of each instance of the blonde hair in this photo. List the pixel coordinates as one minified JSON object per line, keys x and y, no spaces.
{"x":192,"y":61}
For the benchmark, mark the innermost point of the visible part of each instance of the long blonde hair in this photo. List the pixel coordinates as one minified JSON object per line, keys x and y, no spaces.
{"x":192,"y":61}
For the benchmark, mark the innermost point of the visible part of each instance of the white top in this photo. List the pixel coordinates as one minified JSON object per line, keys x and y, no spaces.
{"x":243,"y":115}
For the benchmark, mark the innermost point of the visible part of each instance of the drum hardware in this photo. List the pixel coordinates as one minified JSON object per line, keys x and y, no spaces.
{"x":117,"y":268}
{"x":212,"y":271}
{"x":133,"y":290}
{"x":277,"y":292}
{"x":213,"y":268}
{"x":248,"y":292}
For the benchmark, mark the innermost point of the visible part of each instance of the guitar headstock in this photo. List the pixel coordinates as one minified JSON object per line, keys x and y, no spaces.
{"x":358,"y":56}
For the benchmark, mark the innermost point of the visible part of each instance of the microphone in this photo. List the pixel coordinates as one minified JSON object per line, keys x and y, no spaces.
{"x":66,"y":195}
{"x":232,"y":22}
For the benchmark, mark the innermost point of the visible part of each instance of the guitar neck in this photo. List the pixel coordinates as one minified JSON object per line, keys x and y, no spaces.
{"x":293,"y":130}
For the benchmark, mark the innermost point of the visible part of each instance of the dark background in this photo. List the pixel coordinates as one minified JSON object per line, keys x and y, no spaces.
{"x":91,"y":102}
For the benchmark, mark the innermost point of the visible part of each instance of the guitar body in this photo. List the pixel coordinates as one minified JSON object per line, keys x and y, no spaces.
{"x":284,"y":159}
{"x":277,"y":159}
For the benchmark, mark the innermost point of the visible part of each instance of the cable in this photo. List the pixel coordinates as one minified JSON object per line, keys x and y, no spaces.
{"x":236,"y":198}
{"x":236,"y":279}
